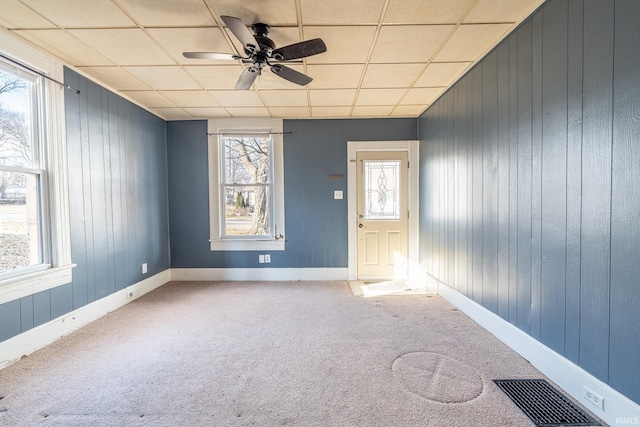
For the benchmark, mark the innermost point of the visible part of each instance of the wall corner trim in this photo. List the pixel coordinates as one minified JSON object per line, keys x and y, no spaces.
{"x":560,"y":370}
{"x":34,"y":339}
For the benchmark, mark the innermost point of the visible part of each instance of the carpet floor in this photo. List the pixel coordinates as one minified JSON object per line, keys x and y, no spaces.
{"x":268,"y":354}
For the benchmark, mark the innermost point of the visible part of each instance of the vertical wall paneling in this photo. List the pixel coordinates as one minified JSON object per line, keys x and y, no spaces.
{"x":596,"y":186}
{"x":10,"y":320}
{"x":545,"y":140}
{"x":513,"y":178}
{"x":76,"y":189}
{"x":26,"y":313}
{"x":624,"y":347}
{"x":554,"y":174}
{"x":536,"y":171}
{"x":574,"y":179}
{"x":502,"y":217}
{"x":525,"y":66}
{"x":490,"y":175}
{"x":476,"y":189}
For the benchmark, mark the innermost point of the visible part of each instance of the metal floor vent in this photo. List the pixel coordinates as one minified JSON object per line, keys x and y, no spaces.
{"x":543,"y":404}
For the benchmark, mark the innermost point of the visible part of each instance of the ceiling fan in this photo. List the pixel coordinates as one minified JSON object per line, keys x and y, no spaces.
{"x":261,"y":51}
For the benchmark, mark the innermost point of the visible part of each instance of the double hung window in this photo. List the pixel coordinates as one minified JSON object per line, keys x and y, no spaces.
{"x":246,"y":188}
{"x":35,"y":250}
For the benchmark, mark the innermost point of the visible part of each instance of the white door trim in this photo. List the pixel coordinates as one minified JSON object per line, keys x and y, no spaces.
{"x":412,"y":148}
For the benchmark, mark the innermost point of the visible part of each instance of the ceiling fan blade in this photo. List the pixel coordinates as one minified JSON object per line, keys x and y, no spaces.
{"x":242,"y":33}
{"x":210,"y":55}
{"x":300,"y":50}
{"x":247,"y":78}
{"x":291,"y":74}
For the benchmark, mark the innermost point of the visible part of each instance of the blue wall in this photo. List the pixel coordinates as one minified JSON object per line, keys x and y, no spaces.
{"x":530,"y":185}
{"x":117,"y":199}
{"x":316,"y":225}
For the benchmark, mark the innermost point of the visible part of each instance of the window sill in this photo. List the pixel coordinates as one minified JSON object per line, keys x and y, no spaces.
{"x":32,"y":283}
{"x":247,"y":245}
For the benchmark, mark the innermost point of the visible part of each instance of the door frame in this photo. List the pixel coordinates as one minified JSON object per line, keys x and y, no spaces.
{"x":412,"y":149}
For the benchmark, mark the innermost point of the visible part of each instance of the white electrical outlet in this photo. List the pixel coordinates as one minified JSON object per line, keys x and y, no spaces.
{"x":143,"y":268}
{"x":261,"y":259}
{"x":593,"y":397}
{"x":267,"y":258}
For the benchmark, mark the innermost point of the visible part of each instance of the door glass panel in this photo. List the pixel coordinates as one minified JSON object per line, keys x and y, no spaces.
{"x":382,"y":189}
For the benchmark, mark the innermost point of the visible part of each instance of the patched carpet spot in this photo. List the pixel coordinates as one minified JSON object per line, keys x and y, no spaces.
{"x":437,"y":377}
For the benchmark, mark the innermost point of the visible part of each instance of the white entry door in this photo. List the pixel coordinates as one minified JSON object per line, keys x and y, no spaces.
{"x":382,"y":209}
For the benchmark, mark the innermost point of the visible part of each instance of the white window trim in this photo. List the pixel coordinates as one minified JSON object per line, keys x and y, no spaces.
{"x":57,"y":202}
{"x":249,"y":125}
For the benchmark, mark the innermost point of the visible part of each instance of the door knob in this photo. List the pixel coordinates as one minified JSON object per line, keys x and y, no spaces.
{"x":360,"y":225}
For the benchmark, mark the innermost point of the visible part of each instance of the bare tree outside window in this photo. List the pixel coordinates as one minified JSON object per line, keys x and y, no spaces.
{"x":247,"y":186}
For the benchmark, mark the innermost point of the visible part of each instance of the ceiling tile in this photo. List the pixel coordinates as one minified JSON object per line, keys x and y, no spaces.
{"x":335,"y":76}
{"x":21,"y":16}
{"x":148,"y":98}
{"x":66,"y":47}
{"x":81,"y":13}
{"x":171,"y":113}
{"x":441,"y":73}
{"x":207,"y":112}
{"x":379,"y":96}
{"x":470,"y":41}
{"x":238,"y":98}
{"x":330,"y":111}
{"x":272,"y":12}
{"x":284,"y":98}
{"x":340,"y":12}
{"x":168,"y":13}
{"x":408,"y":110}
{"x":391,"y":75}
{"x":114,"y":77}
{"x":248,"y":112}
{"x":426,"y":11}
{"x":344,"y":44}
{"x":191,"y":98}
{"x":124,"y":46}
{"x":422,"y":95}
{"x":268,"y":80}
{"x":332,"y":97}
{"x":486,"y":11}
{"x":285,"y":112}
{"x":372,"y":111}
{"x":164,"y":78}
{"x":409,"y":43}
{"x":175,"y":41}
{"x":216,"y":77}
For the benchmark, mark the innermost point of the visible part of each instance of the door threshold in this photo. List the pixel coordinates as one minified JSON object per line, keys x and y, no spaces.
{"x":369,"y":289}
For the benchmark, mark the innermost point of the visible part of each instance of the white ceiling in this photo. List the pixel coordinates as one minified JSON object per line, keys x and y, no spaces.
{"x":385,"y":58}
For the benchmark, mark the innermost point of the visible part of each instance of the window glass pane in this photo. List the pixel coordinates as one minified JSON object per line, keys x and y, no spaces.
{"x":247,"y":159}
{"x":20,"y":231}
{"x":382,"y":189}
{"x":16,"y":148}
{"x":247,"y":210}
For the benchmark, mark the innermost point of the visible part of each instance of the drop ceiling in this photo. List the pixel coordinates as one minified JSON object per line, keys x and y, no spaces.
{"x":385,"y":58}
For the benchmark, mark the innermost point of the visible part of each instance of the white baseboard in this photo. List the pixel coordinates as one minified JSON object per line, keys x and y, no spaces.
{"x":258,"y":274}
{"x":26,"y":343}
{"x":618,"y":409}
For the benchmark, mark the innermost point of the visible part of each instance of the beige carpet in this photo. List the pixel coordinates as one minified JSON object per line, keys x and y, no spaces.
{"x":268,"y":354}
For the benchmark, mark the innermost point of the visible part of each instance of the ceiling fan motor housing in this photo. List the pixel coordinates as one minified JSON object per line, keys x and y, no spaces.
{"x":266,"y":44}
